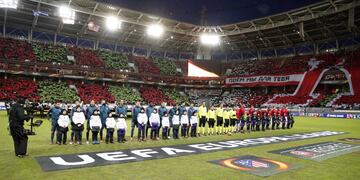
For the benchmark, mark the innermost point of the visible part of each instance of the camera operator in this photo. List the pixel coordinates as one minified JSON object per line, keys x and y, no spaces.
{"x":16,"y":120}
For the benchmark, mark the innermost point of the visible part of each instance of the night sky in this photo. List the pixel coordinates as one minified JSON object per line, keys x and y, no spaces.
{"x":220,"y":12}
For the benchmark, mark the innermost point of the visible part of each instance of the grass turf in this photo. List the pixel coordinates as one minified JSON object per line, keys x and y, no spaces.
{"x":185,"y":167}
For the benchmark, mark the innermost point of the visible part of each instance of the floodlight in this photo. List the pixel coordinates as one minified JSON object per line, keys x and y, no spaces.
{"x":12,"y":4}
{"x":155,"y":30}
{"x":112,"y":23}
{"x":67,"y":15}
{"x":210,"y":39}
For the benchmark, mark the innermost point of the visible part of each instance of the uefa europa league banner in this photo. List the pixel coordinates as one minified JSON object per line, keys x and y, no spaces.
{"x":91,"y":159}
{"x":265,"y":80}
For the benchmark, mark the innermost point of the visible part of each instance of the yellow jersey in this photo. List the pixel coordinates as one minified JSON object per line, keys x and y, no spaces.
{"x":233,"y":114}
{"x":226,"y":114}
{"x":220,"y":112}
{"x":211,"y":114}
{"x":202,"y":111}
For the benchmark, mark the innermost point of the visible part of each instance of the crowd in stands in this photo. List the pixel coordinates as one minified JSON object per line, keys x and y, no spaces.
{"x":51,"y":91}
{"x":12,"y":89}
{"x":127,"y":94}
{"x":13,"y":49}
{"x":16,"y":49}
{"x":290,"y":65}
{"x":88,"y":92}
{"x":86,"y":57}
{"x":114,"y":60}
{"x":155,"y":95}
{"x":51,"y":53}
{"x":144,"y":65}
{"x":166,"y":66}
{"x":175,"y":95}
{"x":271,"y":66}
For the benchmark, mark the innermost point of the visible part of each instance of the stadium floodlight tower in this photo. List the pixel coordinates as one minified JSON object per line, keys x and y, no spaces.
{"x":12,"y":4}
{"x":112,"y":23}
{"x":155,"y":30}
{"x":67,"y":15}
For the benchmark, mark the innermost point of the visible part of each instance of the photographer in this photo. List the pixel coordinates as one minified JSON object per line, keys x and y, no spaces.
{"x":16,"y":120}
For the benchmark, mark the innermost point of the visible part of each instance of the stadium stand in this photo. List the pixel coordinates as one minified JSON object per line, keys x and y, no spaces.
{"x":166,"y":66}
{"x":86,"y":57}
{"x":114,"y":60}
{"x":50,"y":91}
{"x":145,"y":65}
{"x":154,"y":95}
{"x":175,"y":95}
{"x":12,"y":89}
{"x":50,"y":53}
{"x":16,"y":49}
{"x":88,"y":92}
{"x":130,"y":95}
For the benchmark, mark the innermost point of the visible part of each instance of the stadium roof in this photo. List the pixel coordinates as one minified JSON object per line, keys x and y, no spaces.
{"x":218,"y":13}
{"x":323,"y":21}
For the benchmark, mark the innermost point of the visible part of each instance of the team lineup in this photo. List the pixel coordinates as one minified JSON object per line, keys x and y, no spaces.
{"x":161,"y":122}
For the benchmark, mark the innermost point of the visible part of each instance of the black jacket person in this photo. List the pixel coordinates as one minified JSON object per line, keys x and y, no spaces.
{"x":16,"y":121}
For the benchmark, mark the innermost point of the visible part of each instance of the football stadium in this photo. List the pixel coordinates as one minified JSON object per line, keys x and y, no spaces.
{"x":170,"y":89}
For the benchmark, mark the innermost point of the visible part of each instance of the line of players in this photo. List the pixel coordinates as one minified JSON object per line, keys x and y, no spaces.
{"x":220,"y":120}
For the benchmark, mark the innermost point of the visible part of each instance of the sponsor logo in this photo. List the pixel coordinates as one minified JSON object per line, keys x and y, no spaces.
{"x":319,"y":151}
{"x":303,"y":153}
{"x":70,"y":161}
{"x":254,"y":165}
{"x":251,"y":163}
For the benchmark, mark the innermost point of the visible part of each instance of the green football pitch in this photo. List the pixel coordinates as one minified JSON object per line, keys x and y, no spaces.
{"x":186,"y":167}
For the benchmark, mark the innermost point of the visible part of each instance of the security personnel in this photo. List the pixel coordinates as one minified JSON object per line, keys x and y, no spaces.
{"x":104,"y":113}
{"x":89,"y":112}
{"x":55,"y":114}
{"x":202,"y":116}
{"x":16,"y":119}
{"x":219,"y":119}
{"x":211,"y":119}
